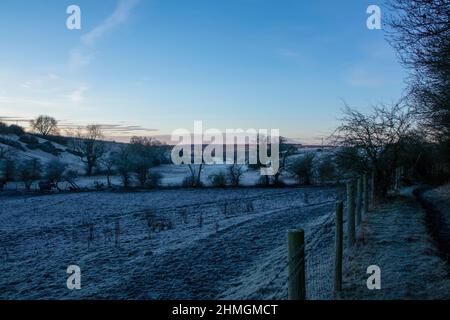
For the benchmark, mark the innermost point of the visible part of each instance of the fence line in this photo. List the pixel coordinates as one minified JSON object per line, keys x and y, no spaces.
{"x":311,"y":277}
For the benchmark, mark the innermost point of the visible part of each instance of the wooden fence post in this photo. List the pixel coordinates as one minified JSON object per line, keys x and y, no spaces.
{"x":365,"y":194}
{"x":359,"y":198}
{"x":351,"y":212}
{"x":339,"y":246}
{"x":296,"y":265}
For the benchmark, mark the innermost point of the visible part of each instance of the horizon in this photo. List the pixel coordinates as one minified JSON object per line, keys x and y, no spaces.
{"x":239,"y":64}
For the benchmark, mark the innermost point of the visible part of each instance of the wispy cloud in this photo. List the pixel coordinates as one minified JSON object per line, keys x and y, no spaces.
{"x":79,"y":57}
{"x":77,"y":95}
{"x":118,"y":17}
{"x":83,"y":54}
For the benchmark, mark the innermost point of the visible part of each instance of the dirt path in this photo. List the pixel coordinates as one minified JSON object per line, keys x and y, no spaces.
{"x":399,"y":243}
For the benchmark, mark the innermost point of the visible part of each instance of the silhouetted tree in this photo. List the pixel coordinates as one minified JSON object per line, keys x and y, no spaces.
{"x":89,"y":145}
{"x":44,"y":125}
{"x":420,"y":32}
{"x":375,"y":140}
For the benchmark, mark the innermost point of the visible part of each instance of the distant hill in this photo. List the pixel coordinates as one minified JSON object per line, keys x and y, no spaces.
{"x":29,"y":146}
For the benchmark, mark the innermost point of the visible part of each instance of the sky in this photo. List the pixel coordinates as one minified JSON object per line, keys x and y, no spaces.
{"x":148,"y":67}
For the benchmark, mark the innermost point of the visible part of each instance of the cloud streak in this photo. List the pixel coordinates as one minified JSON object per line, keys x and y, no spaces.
{"x":83,"y":54}
{"x":77,"y":95}
{"x":118,"y":17}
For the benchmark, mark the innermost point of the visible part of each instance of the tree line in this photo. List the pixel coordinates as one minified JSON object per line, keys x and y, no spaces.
{"x":87,"y":143}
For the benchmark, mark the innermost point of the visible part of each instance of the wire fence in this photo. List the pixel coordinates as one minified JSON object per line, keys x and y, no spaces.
{"x":317,"y":265}
{"x":316,"y":257}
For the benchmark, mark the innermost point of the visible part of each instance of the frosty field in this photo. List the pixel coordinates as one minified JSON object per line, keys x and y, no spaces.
{"x":165,"y":244}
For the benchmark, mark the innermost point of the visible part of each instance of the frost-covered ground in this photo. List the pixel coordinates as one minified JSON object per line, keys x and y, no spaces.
{"x":173,"y":244}
{"x":398,"y":242}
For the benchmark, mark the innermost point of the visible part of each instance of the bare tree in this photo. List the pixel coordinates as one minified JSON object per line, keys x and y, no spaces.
{"x":420,"y":32}
{"x":44,"y":125}
{"x":122,"y":161}
{"x":235,"y":172}
{"x":377,"y":138}
{"x":108,"y":162}
{"x":143,"y":157}
{"x":286,"y":150}
{"x":194,"y":180}
{"x":89,"y":145}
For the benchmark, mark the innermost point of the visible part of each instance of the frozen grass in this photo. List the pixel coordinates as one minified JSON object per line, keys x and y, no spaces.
{"x":399,"y":243}
{"x":127,"y":249}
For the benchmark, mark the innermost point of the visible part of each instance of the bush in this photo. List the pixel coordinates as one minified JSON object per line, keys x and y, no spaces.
{"x":29,"y":171}
{"x":264,"y":181}
{"x":154,"y":179}
{"x":189,"y":182}
{"x":326,"y":170}
{"x":12,"y":143}
{"x":31,"y":141}
{"x":17,"y":130}
{"x":350,"y":160}
{"x":235,"y":172}
{"x":8,"y":170}
{"x":218,"y":180}
{"x":55,"y":170}
{"x":74,"y":152}
{"x":49,"y":148}
{"x":12,"y":129}
{"x":57,"y":139}
{"x":303,"y":169}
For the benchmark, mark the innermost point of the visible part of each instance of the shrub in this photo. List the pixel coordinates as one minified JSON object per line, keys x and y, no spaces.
{"x":218,"y":179}
{"x":264,"y":181}
{"x":235,"y":172}
{"x":189,"y":182}
{"x":8,"y":170}
{"x":12,"y":143}
{"x":154,"y":179}
{"x":17,"y":130}
{"x":326,"y":170}
{"x":29,"y":171}
{"x":55,"y":170}
{"x":74,"y":152}
{"x":350,"y":160}
{"x":303,"y":168}
{"x":57,"y":139}
{"x":12,"y":129}
{"x":49,"y":148}
{"x":31,"y":141}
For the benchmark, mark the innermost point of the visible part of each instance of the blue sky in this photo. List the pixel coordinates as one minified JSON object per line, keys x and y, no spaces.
{"x":161,"y":64}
